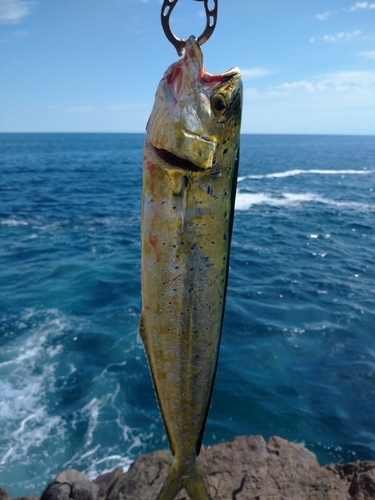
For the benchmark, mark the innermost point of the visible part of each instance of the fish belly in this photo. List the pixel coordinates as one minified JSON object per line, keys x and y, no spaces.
{"x":185,"y":226}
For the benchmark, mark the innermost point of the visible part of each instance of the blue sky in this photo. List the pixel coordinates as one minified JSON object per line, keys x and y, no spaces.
{"x":308,"y":66}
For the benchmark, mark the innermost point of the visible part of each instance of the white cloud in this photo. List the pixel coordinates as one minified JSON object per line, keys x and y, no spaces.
{"x":128,"y":105}
{"x":324,"y":16}
{"x":343,"y":36}
{"x":340,"y":102}
{"x":14,"y":11}
{"x":248,"y":74}
{"x":368,"y":53}
{"x":303,"y":85}
{"x":79,"y":109}
{"x":362,"y":5}
{"x":357,"y":6}
{"x":342,"y":81}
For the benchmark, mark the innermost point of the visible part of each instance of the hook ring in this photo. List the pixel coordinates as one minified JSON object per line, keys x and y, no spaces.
{"x":179,"y":44}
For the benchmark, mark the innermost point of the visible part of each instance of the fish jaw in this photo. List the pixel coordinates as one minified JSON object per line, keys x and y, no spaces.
{"x":184,"y":121}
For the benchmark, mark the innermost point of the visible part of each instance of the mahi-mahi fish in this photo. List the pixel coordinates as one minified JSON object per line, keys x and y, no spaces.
{"x":189,"y":181}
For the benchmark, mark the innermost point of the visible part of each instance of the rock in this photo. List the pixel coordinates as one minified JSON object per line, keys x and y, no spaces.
{"x":71,"y":485}
{"x":144,"y":479}
{"x":70,"y":476}
{"x":84,"y":490}
{"x":28,"y":497}
{"x":106,"y":481}
{"x":57,"y":491}
{"x":4,"y":495}
{"x":246,"y":468}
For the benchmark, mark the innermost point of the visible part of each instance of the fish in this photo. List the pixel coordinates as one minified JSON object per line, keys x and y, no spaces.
{"x":190,"y":166}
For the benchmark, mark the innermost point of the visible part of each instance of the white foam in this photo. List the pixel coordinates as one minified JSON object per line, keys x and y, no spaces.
{"x":111,"y":462}
{"x":13,"y":222}
{"x":25,"y":378}
{"x":93,"y":408}
{"x":292,"y":173}
{"x":244,"y":201}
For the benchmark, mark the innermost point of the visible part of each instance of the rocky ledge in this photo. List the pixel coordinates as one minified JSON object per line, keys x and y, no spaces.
{"x":246,"y":468}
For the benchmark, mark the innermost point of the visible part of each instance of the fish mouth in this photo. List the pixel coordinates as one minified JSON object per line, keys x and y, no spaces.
{"x":177,"y":162}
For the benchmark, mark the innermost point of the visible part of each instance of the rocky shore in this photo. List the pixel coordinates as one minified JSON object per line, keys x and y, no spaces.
{"x":247,"y":468}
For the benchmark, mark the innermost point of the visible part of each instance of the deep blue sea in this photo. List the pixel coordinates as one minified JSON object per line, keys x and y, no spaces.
{"x":298,"y":349}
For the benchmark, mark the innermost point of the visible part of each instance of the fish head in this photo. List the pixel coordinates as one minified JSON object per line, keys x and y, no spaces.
{"x":196,"y":115}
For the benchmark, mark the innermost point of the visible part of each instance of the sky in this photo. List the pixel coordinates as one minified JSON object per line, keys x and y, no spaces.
{"x":308,"y":66}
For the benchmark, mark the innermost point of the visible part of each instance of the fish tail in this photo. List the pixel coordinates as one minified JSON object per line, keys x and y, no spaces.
{"x":188,"y":476}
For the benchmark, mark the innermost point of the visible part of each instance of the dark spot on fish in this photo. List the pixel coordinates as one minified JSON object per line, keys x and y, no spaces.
{"x":225,"y":237}
{"x":174,"y":246}
{"x":175,"y":289}
{"x":225,"y":152}
{"x":215,"y":175}
{"x":225,"y":214}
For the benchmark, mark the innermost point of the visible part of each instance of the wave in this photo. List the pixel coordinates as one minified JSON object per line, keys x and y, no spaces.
{"x":293,"y":173}
{"x":23,"y":380}
{"x":13,"y":222}
{"x":244,"y":201}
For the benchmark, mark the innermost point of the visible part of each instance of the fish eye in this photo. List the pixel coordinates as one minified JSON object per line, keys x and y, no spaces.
{"x":218,"y":103}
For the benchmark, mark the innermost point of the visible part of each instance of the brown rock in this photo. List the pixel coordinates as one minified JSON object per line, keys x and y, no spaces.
{"x":106,"y":481}
{"x":84,"y":490}
{"x":143,"y":481}
{"x":4,"y":495}
{"x":28,"y":497}
{"x":71,"y":485}
{"x":57,"y":491}
{"x":246,"y":468}
{"x":70,"y":476}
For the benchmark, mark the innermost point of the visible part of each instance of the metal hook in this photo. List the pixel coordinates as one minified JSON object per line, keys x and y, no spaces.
{"x":179,"y":44}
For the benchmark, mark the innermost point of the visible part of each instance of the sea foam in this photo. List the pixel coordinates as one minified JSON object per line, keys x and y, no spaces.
{"x":293,"y":173}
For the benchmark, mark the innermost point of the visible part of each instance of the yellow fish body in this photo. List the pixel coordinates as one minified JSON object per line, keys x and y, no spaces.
{"x":189,"y":181}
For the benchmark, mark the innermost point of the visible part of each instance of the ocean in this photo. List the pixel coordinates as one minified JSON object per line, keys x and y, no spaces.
{"x":297,"y":357}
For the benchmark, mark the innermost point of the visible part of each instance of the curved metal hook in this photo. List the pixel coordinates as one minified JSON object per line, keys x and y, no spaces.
{"x":179,"y":44}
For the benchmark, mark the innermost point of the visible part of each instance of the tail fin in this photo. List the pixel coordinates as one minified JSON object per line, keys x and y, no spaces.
{"x":188,"y":476}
